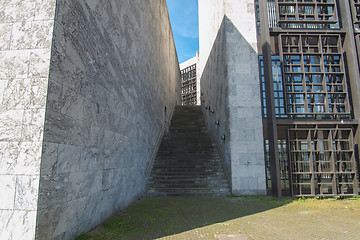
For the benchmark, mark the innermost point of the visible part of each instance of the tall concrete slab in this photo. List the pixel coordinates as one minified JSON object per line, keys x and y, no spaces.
{"x":86,"y":88}
{"x":231,"y":90}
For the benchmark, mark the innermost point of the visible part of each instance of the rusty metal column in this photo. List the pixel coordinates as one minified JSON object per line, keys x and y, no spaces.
{"x":352,"y":63}
{"x":270,"y":101}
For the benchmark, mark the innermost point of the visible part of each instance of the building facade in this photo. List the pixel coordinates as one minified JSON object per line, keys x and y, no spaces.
{"x":190,"y":82}
{"x":308,"y":58}
{"x":310,"y":94}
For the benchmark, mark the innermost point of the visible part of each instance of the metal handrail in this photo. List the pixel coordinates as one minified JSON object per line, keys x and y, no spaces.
{"x":157,"y":145}
{"x":156,"y":149}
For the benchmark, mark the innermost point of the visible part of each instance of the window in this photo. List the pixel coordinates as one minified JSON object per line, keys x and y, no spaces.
{"x":315,"y":81}
{"x":278,"y":87}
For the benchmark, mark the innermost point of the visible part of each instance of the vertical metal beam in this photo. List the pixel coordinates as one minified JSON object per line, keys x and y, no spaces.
{"x":289,"y":157}
{"x":332,"y":159}
{"x":352,"y":62}
{"x":351,"y":55}
{"x":357,"y":40}
{"x":270,"y":101}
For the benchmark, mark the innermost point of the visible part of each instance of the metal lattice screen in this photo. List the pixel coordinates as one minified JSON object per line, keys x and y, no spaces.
{"x":188,"y":85}
{"x":284,"y":164}
{"x":356,"y":12}
{"x":322,"y":161}
{"x":314,"y":75}
{"x":320,"y":14}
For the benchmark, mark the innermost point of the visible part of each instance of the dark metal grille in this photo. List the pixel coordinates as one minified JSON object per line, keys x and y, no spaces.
{"x":314,"y":75}
{"x":309,"y":14}
{"x":306,"y":13}
{"x":188,"y":85}
{"x":322,"y":161}
{"x":356,"y":12}
{"x":284,"y":164}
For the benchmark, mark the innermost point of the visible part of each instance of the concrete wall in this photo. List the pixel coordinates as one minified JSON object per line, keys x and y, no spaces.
{"x":231,"y":86}
{"x":113,"y":71}
{"x":26,"y":28}
{"x":78,"y":131}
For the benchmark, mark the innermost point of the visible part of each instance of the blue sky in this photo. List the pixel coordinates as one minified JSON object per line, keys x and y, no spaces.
{"x":185,"y":26}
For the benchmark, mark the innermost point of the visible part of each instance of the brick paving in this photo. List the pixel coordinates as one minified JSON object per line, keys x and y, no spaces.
{"x":234,"y":218}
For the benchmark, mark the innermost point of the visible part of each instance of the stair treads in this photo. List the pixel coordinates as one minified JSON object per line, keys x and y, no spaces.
{"x":188,"y":163}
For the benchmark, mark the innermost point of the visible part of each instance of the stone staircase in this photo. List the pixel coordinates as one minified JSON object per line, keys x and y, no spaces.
{"x":188,"y":162}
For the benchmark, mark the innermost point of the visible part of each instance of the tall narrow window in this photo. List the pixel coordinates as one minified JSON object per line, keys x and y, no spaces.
{"x":278,"y":87}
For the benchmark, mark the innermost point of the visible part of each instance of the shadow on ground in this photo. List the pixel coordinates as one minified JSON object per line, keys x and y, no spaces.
{"x":161,"y":217}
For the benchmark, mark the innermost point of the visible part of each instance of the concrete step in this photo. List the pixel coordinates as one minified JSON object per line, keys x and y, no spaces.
{"x":175,"y":164}
{"x":186,"y":174}
{"x":174,"y":185}
{"x":189,"y":177}
{"x":185,"y":194}
{"x":197,"y":169}
{"x":194,"y":181}
{"x":196,"y":187}
{"x":180,"y":171}
{"x":188,"y":190}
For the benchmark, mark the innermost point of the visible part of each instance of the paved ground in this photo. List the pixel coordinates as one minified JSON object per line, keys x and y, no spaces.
{"x":234,"y":218}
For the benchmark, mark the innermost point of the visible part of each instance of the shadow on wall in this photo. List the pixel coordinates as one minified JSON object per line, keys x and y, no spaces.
{"x":231,"y":97}
{"x":215,"y":68}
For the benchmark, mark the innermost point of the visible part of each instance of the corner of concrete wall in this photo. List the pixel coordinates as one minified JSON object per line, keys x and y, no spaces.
{"x":246,"y":134}
{"x":26,"y":28}
{"x":231,"y":86}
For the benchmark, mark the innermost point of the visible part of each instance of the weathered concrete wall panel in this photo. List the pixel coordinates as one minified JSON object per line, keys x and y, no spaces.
{"x":113,"y":71}
{"x":234,"y":94}
{"x":26,"y":29}
{"x":247,"y":146}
